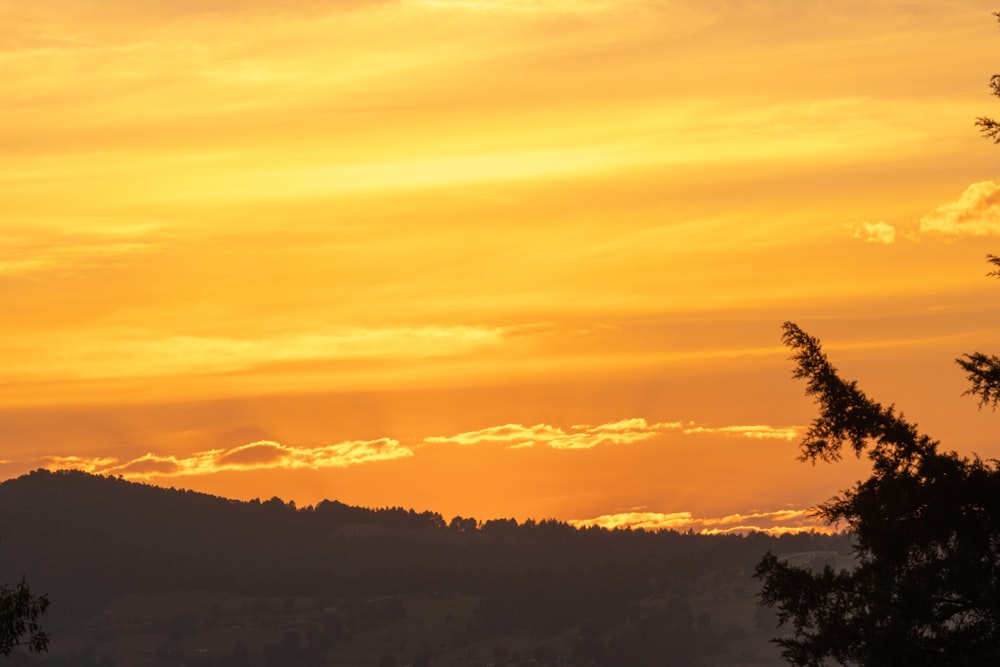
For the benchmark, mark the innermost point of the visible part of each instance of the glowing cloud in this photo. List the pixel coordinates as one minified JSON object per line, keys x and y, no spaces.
{"x":637,"y":520}
{"x":776,"y":522}
{"x":874,"y":232}
{"x":975,"y":213}
{"x":267,"y":454}
{"x":93,"y":464}
{"x":756,"y":431}
{"x":585,"y":436}
{"x":260,"y":455}
{"x":580,"y":436}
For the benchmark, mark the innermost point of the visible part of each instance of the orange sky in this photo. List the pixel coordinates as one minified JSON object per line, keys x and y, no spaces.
{"x":492,"y":258}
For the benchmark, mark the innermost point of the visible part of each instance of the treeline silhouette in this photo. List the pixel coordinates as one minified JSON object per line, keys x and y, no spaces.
{"x":86,"y":540}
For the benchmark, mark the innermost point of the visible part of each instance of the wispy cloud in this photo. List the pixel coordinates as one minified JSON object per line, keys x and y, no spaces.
{"x":261,"y":455}
{"x":756,"y":431}
{"x":586,"y":436}
{"x":638,"y":519}
{"x":30,"y":253}
{"x":268,"y":454}
{"x":145,"y":354}
{"x":874,"y":232}
{"x":581,"y":436}
{"x":775,"y":522}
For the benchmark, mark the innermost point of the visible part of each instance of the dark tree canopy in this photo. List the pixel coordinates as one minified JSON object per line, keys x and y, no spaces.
{"x":926,"y":587}
{"x":20,"y":610}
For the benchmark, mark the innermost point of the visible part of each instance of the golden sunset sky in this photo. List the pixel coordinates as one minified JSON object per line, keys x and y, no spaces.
{"x":498,"y":258}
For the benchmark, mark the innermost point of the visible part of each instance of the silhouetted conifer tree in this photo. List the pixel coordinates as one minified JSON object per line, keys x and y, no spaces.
{"x":926,"y":588}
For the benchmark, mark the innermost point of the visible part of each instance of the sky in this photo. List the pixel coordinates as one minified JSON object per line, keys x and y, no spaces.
{"x":489,"y":258}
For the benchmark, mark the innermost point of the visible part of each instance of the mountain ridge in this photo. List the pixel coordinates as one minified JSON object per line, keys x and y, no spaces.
{"x":88,"y":540}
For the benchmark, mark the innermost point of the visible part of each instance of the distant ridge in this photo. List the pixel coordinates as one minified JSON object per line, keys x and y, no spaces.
{"x":86,"y":540}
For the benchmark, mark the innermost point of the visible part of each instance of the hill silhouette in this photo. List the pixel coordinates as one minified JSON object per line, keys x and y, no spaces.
{"x":595,"y":596}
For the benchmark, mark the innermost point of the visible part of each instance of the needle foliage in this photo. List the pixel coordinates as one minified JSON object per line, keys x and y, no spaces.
{"x":926,"y":586}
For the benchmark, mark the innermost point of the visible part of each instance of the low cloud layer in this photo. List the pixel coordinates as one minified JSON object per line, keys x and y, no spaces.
{"x":585,"y":436}
{"x":775,"y":522}
{"x":267,"y":454}
{"x":581,"y":436}
{"x":260,"y":455}
{"x":755,"y":431}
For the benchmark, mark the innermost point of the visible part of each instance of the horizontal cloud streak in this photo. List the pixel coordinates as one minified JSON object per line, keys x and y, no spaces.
{"x":580,"y":436}
{"x":124,"y":356}
{"x":31,"y":252}
{"x":268,"y":454}
{"x":775,"y":522}
{"x":261,"y":455}
{"x":756,"y":431}
{"x":585,"y":436}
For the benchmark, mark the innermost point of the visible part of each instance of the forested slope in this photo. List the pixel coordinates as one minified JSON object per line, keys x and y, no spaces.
{"x":625,"y":596}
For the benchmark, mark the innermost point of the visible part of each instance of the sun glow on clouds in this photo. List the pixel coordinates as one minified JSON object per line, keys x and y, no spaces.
{"x":775,"y":522}
{"x":583,"y":436}
{"x":975,"y":213}
{"x":214,"y":199}
{"x":577,"y":437}
{"x":755,"y":431}
{"x":262,"y":455}
{"x":874,"y":232}
{"x":266,"y":454}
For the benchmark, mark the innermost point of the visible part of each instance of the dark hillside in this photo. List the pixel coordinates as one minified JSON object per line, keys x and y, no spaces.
{"x":88,"y":541}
